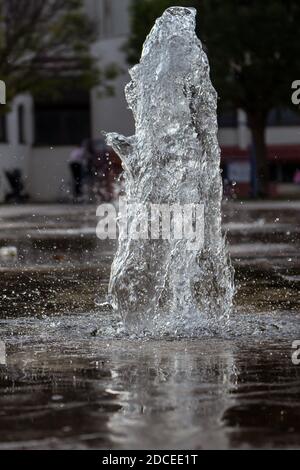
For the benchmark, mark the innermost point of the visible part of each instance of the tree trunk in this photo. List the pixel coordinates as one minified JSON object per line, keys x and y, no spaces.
{"x":257,"y":124}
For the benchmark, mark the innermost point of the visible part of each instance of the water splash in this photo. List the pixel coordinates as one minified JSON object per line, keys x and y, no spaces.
{"x":173,"y":158}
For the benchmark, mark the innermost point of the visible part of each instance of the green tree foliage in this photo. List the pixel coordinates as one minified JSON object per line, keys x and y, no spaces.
{"x":45,"y":44}
{"x":253,"y":48}
{"x":143,"y":15}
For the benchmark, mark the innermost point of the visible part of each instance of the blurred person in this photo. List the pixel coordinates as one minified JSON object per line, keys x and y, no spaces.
{"x":77,"y":164}
{"x":116,"y":171}
{"x":101,"y":168}
{"x":89,"y":157}
{"x":297,"y":177}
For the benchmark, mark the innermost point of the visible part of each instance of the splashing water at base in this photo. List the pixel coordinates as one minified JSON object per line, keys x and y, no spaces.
{"x":173,"y":159}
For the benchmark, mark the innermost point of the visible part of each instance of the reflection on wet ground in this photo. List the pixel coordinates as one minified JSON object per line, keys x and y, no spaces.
{"x":62,"y":386}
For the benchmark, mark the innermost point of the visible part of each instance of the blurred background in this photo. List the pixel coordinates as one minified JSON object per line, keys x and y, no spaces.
{"x":65,"y":62}
{"x":69,"y":378}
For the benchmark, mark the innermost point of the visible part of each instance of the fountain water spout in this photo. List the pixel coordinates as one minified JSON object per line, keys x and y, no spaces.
{"x":172,"y":161}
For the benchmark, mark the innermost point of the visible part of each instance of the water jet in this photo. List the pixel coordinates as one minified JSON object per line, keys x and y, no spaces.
{"x":173,"y":158}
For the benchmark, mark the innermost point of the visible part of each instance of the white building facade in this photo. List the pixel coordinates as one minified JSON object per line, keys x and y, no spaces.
{"x":37,"y":138}
{"x":43,"y":161}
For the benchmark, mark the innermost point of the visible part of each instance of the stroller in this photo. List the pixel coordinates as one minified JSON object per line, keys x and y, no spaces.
{"x":17,"y":194}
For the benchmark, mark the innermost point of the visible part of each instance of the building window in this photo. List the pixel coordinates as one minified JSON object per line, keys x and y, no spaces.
{"x":3,"y":128}
{"x":283,"y":117}
{"x":64,"y":121}
{"x":283,"y":172}
{"x":21,"y":123}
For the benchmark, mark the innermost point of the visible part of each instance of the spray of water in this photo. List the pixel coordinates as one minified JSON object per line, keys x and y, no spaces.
{"x":173,"y":158}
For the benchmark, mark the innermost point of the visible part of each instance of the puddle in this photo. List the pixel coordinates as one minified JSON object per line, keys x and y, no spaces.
{"x":71,"y":379}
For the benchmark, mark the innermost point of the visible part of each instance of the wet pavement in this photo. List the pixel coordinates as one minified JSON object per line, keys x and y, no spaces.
{"x":68,"y":381}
